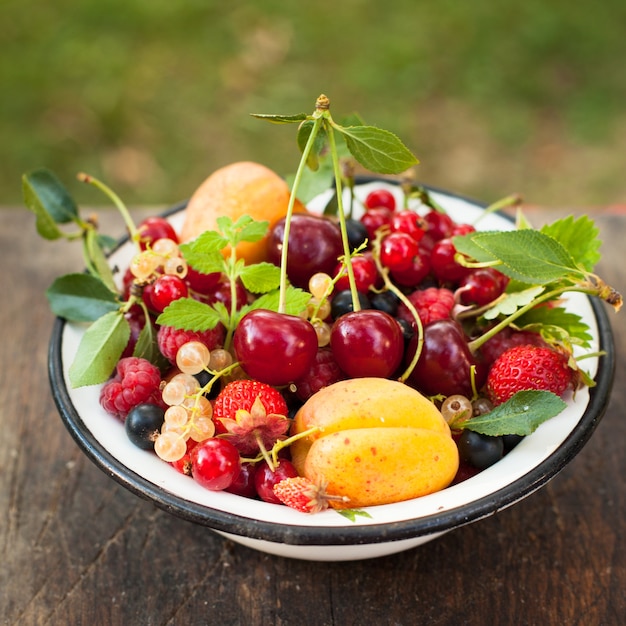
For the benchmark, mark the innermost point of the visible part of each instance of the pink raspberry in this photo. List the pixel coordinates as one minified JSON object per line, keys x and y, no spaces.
{"x":432,"y":304}
{"x":323,"y":372}
{"x":136,"y":381}
{"x":170,"y":339}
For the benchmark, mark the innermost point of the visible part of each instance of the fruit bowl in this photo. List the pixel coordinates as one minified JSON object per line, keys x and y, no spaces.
{"x":329,"y":535}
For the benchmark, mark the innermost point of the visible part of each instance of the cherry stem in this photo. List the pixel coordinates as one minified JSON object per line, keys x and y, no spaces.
{"x":356,"y":303}
{"x":282,"y":298}
{"x":117,"y":201}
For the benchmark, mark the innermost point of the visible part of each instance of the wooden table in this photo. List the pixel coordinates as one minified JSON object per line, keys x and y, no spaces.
{"x":77,"y":548}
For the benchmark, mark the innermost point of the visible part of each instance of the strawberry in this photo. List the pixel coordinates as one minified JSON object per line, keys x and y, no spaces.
{"x":528,"y":367}
{"x":304,"y":495}
{"x":252,"y":413}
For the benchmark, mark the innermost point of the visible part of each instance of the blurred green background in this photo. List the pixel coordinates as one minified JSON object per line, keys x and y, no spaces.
{"x":494,"y":97}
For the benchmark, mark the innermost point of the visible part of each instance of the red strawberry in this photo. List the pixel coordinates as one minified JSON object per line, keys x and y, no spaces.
{"x":253,"y":413}
{"x":304,"y":495}
{"x":528,"y":367}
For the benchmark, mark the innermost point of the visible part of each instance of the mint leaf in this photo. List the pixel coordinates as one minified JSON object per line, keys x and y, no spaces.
{"x":579,"y":236}
{"x":81,"y":298}
{"x":296,"y":301}
{"x":260,"y":277}
{"x":352,"y":514}
{"x":204,"y":253}
{"x":377,"y":150}
{"x":520,"y":415}
{"x":189,"y":314}
{"x":526,"y":255}
{"x":99,"y":350}
{"x":510,"y":302}
{"x":556,"y":324}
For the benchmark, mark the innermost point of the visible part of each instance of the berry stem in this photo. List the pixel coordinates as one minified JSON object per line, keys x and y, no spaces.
{"x":282,"y":298}
{"x":117,"y":201}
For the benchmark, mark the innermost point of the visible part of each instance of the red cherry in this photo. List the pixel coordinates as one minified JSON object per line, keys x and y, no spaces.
{"x":243,"y":485}
{"x":215,"y":463}
{"x":367,"y":343}
{"x":153,"y":228}
{"x":380,"y":198}
{"x":314,"y":246}
{"x":275,"y":348}
{"x":265,"y":479}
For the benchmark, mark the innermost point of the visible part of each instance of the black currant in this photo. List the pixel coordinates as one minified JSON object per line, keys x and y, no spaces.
{"x":510,"y":441}
{"x":480,"y":450}
{"x":357,"y":233}
{"x":386,"y":301}
{"x":143,"y":425}
{"x":342,"y":303}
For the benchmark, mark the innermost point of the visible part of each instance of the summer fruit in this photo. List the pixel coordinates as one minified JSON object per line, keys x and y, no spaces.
{"x":431,"y":304}
{"x":372,"y":466}
{"x":480,"y":450}
{"x":165,"y":290}
{"x":380,"y":198}
{"x":528,"y":367}
{"x":250,"y":414}
{"x":266,"y":477}
{"x":323,"y":372}
{"x":314,"y":246}
{"x":242,"y":188}
{"x":301,"y":494}
{"x":275,"y":348}
{"x":143,"y":425}
{"x":482,"y":286}
{"x":367,"y":343}
{"x":215,"y":464}
{"x":367,"y":403}
{"x":153,"y":228}
{"x":136,"y":381}
{"x":445,"y":363}
{"x":170,"y":339}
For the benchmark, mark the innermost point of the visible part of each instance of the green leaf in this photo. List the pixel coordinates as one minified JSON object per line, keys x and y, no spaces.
{"x":99,"y":350}
{"x":510,"y":302}
{"x":44,"y":193}
{"x":557,"y":324}
{"x":520,"y":415}
{"x":189,"y":314}
{"x":296,"y":301}
{"x":526,"y":255}
{"x":247,"y":229}
{"x":97,"y":259}
{"x":579,"y":236}
{"x":352,"y":514}
{"x":147,"y":347}
{"x":260,"y":277}
{"x":304,"y":132}
{"x":204,"y":253}
{"x":313,"y":183}
{"x":377,"y":150}
{"x":281,"y":119}
{"x":81,"y":298}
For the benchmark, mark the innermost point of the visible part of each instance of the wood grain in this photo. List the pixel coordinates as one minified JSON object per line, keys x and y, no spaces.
{"x":76,"y":548}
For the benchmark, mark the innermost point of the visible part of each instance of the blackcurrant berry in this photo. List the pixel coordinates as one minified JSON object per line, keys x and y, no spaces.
{"x":386,"y":301}
{"x":143,"y":425}
{"x":342,"y":303}
{"x":480,"y":450}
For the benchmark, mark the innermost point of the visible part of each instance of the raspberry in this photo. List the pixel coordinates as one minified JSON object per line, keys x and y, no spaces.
{"x":432,"y":304}
{"x":528,"y":367}
{"x":170,"y":339}
{"x":323,"y":372}
{"x":136,"y":381}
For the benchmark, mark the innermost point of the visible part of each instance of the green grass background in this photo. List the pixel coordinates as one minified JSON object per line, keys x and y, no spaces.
{"x":493,"y":96}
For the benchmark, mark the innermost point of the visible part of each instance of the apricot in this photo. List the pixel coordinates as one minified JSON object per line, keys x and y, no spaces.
{"x":372,"y":466}
{"x":362,"y":403}
{"x":241,"y":188}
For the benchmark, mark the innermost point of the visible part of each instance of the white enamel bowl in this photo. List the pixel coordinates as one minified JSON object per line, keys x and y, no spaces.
{"x":329,"y":536}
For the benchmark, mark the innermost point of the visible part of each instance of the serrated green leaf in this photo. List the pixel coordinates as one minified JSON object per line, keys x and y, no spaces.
{"x":99,"y":350}
{"x":252,"y":231}
{"x":81,"y":298}
{"x":204,"y":253}
{"x":520,"y":415}
{"x":281,"y":119}
{"x":579,"y":236}
{"x":296,"y":301}
{"x":377,"y":150}
{"x":260,"y":277}
{"x":44,"y":193}
{"x":529,"y":256}
{"x":98,"y":260}
{"x":556,"y":323}
{"x":189,"y":314}
{"x":510,"y":302}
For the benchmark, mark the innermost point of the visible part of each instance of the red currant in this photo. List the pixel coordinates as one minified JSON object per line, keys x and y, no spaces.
{"x":443,"y":263}
{"x":374,"y":218}
{"x":397,"y":251}
{"x":380,"y":198}
{"x":365,"y":274}
{"x":165,"y":290}
{"x":482,"y":286}
{"x":438,"y":225}
{"x":153,"y":228}
{"x":215,"y":464}
{"x":416,"y":272}
{"x":408,"y":222}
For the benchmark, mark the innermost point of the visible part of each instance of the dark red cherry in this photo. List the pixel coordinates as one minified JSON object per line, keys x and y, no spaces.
{"x":265,"y":478}
{"x":444,"y":264}
{"x":314,"y":246}
{"x":445,"y":362}
{"x":367,"y":343}
{"x":275,"y":348}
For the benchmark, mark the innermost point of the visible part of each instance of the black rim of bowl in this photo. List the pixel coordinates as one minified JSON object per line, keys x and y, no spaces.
{"x":343,"y":535}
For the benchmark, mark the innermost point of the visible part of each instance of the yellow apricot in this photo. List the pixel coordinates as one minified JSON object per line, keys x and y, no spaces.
{"x":372,"y":466}
{"x":363,"y":403}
